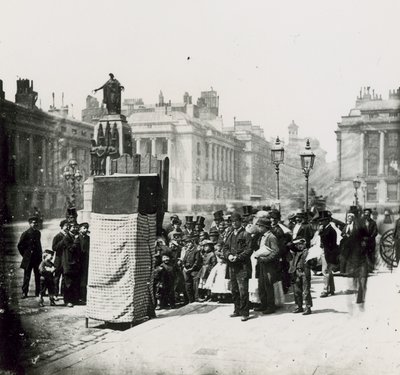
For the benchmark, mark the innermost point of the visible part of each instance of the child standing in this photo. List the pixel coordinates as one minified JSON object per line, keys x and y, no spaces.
{"x":46,"y":270}
{"x":165,"y":278}
{"x":209,"y":261}
{"x":217,"y":282}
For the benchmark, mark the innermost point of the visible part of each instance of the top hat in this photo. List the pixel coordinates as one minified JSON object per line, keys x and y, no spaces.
{"x":218,"y":215}
{"x":324,"y":215}
{"x":247,"y":210}
{"x":71,"y":211}
{"x":189,"y":219}
{"x":353,"y":210}
{"x":200,"y":221}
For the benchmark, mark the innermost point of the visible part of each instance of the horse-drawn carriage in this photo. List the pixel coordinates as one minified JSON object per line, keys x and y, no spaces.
{"x":387,"y":249}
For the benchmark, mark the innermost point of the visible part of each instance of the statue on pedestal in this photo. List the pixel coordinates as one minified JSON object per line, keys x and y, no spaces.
{"x":112,"y":95}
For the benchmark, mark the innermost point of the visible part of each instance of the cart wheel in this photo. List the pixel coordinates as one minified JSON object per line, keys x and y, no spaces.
{"x":386,"y":248}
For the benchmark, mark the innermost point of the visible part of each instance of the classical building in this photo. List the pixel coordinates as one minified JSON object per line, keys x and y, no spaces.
{"x":39,"y":146}
{"x":368,"y":146}
{"x":209,"y":165}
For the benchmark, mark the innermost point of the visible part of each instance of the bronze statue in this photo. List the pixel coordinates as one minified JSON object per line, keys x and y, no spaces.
{"x":112,"y":95}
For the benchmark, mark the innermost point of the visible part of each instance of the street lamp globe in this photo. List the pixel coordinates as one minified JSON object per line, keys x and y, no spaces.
{"x":277,"y":152}
{"x":307,"y":158}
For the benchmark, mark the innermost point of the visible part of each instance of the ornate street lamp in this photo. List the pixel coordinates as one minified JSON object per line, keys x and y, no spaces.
{"x":356,"y":184}
{"x":277,"y":157}
{"x":72,"y":174}
{"x":307,"y":163}
{"x":364,"y":191}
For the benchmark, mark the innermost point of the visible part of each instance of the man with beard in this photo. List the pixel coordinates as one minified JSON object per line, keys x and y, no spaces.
{"x":70,"y":248}
{"x":237,"y":252}
{"x":30,"y":248}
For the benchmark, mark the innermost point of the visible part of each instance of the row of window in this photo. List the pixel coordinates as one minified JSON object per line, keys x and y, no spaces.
{"x":392,"y":193}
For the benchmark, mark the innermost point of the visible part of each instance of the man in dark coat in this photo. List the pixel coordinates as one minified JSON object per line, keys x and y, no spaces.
{"x":70,"y":248}
{"x":84,"y":240}
{"x":368,"y":233}
{"x":329,"y":257}
{"x":237,"y":252}
{"x":269,"y":266}
{"x":30,"y":248}
{"x":192,"y":262}
{"x":57,"y":260}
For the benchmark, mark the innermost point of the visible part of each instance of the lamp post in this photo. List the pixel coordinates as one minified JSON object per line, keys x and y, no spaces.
{"x":277,"y":157}
{"x":356,"y":184}
{"x":364,"y":191}
{"x":72,"y":174}
{"x":307,"y":158}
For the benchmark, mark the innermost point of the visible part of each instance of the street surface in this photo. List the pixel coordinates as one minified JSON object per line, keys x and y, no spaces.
{"x":340,"y":337}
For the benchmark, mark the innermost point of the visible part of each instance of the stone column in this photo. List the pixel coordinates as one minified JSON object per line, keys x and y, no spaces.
{"x":362,"y":141}
{"x":31,"y":176}
{"x":44,"y":170}
{"x":339,"y":153}
{"x":169,"y":147}
{"x":381,"y":152}
{"x":210,"y":163}
{"x":138,"y":145}
{"x":153,"y":146}
{"x":216,"y":163}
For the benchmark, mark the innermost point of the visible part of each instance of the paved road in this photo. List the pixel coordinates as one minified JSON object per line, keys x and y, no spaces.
{"x":340,"y":337}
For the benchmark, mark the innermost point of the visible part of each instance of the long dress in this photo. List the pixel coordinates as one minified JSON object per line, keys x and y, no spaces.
{"x":216,"y":281}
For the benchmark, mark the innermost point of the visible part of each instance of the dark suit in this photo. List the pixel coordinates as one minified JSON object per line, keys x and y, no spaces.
{"x":84,"y":240}
{"x":69,"y":248}
{"x":30,"y":248}
{"x":57,"y":262}
{"x":239,"y":244}
{"x":368,"y":232}
{"x":192,"y":262}
{"x":329,"y":257}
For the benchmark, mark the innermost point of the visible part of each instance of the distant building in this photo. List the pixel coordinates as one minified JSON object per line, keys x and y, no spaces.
{"x":210,"y":165}
{"x":368,"y":146}
{"x":93,"y":111}
{"x":39,"y":146}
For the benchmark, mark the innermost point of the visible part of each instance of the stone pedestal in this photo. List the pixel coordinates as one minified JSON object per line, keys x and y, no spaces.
{"x":110,"y":123}
{"x":84,"y":215}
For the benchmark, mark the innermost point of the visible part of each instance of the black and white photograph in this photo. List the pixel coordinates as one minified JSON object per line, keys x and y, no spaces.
{"x":199,"y":188}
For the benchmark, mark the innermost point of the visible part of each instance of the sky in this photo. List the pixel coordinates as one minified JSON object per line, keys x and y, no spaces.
{"x":271,"y":62}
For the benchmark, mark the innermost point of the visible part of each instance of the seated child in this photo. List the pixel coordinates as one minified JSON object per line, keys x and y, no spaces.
{"x":46,"y":270}
{"x":164,"y":276}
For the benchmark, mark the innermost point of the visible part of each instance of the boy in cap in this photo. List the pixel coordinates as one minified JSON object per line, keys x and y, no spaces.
{"x":165,"y":277}
{"x":46,"y":269}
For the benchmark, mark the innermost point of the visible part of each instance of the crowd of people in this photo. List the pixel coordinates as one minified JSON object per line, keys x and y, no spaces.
{"x":253,"y":258}
{"x":61,"y":270}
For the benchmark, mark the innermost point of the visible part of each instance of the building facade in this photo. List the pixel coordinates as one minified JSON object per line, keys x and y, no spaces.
{"x":368,"y":146}
{"x":39,"y":146}
{"x":210,"y":165}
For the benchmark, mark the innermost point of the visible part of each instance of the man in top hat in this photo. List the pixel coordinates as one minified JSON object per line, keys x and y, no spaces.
{"x":368,"y":233}
{"x":329,"y":257}
{"x":192,"y":262}
{"x":269,"y":266}
{"x":237,"y":251}
{"x":30,"y":248}
{"x":189,"y":226}
{"x":71,"y":215}
{"x":199,"y":224}
{"x":218,"y":217}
